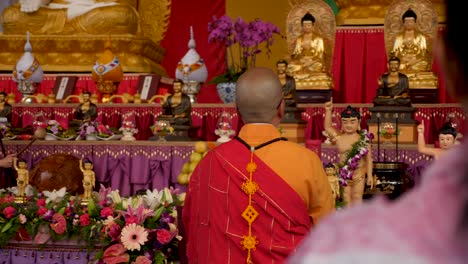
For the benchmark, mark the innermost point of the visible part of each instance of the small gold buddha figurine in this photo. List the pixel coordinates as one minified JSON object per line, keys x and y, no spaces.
{"x":89,"y":178}
{"x":331,"y":171}
{"x":23,"y":176}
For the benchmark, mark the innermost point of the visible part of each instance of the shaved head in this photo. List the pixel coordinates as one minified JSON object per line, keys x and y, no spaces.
{"x":258,"y":96}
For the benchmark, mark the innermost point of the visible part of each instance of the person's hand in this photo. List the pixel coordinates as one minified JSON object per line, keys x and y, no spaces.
{"x":421,"y":128}
{"x":7,"y":162}
{"x":329,"y":105}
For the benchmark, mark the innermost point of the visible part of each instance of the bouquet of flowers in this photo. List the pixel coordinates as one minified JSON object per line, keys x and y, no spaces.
{"x":162,"y":127}
{"x":5,"y":130}
{"x":55,"y":128}
{"x":128,"y":127}
{"x":89,"y":127}
{"x":139,"y":229}
{"x":249,"y":36}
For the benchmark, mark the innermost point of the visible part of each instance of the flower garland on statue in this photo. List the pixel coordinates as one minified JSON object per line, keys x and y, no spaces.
{"x":358,"y":151}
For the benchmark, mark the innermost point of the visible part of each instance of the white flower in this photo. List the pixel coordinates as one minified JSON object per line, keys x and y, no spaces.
{"x":167,"y":196}
{"x":115,"y":197}
{"x":153,"y":198}
{"x":55,"y":195}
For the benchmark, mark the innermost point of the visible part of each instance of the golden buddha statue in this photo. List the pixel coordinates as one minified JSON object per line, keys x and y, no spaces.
{"x":411,"y":46}
{"x":310,"y":42}
{"x":308,"y":50}
{"x":409,"y":31}
{"x":69,"y":34}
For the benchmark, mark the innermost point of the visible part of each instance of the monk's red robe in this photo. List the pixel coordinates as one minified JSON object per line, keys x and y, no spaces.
{"x":215,"y":202}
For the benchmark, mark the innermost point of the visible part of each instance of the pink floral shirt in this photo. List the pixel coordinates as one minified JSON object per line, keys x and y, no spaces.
{"x":422,"y":227}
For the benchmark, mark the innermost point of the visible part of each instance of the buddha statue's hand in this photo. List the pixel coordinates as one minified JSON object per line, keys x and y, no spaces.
{"x":30,"y":6}
{"x":421,"y":128}
{"x":370,"y":181}
{"x":329,"y":105}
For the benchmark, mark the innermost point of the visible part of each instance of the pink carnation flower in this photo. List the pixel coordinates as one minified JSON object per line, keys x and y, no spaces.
{"x":107,"y":211}
{"x":9,"y":212}
{"x":85,"y":220}
{"x":163,"y":236}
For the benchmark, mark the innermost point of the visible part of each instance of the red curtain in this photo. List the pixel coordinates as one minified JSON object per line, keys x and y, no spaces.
{"x":196,"y":14}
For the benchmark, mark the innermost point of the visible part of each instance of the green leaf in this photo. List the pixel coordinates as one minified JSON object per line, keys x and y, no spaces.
{"x":6,"y":227}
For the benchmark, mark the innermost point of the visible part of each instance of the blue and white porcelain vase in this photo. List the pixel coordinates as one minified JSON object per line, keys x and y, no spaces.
{"x":227,"y":92}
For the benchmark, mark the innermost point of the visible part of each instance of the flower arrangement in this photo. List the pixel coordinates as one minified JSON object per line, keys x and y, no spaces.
{"x":128,"y":127}
{"x":138,"y":229}
{"x":358,"y":151}
{"x":162,"y":127}
{"x":55,"y":128}
{"x":248,"y":36}
{"x":388,"y":130}
{"x":92,"y":127}
{"x":5,"y":130}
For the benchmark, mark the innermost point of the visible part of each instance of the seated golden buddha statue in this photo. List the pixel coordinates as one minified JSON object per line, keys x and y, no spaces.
{"x":311,"y":44}
{"x":69,"y":34}
{"x":411,"y":44}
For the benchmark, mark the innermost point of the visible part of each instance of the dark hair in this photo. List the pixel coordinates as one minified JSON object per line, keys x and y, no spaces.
{"x":282,"y":62}
{"x":87,"y":92}
{"x":394,"y":58}
{"x":330,"y":165}
{"x":350,"y":112}
{"x":87,"y":161}
{"x":4,"y":94}
{"x":409,"y":13}
{"x":447,"y":129}
{"x":308,"y":17}
{"x":177,"y":81}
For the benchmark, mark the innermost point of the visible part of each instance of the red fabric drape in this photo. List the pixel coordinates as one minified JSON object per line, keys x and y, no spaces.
{"x":359,"y":60}
{"x":196,"y":14}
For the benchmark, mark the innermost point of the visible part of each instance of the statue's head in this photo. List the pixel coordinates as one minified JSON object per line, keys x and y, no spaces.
{"x":22,"y":164}
{"x":409,"y":19}
{"x":281,"y":66}
{"x":447,"y":135}
{"x":86,"y":96}
{"x":393,"y":63}
{"x":177,"y":85}
{"x":3,"y":95}
{"x":330,"y":169}
{"x":88,"y":165}
{"x":307,"y":22}
{"x":350,"y":120}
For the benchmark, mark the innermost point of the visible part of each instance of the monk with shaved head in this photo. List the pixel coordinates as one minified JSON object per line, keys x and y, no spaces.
{"x":253,"y":199}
